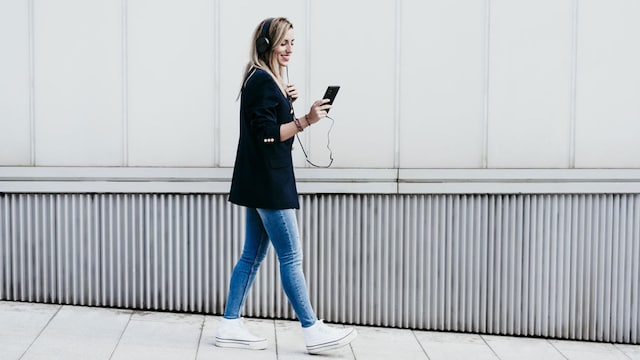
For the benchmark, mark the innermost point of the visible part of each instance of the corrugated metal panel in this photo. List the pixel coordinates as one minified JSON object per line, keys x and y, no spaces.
{"x":564,"y":266}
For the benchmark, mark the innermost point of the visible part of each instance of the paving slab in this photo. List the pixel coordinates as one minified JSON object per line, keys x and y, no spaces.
{"x":583,"y":350}
{"x":20,"y":325}
{"x":385,"y":344}
{"x":521,"y":348}
{"x":160,"y":336}
{"x":82,"y":333}
{"x":454,"y":346}
{"x":632,"y":351}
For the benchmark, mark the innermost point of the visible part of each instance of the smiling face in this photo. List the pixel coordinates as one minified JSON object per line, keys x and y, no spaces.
{"x":284,"y":50}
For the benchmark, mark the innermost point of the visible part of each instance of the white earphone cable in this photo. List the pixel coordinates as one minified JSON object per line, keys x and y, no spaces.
{"x":306,"y":156}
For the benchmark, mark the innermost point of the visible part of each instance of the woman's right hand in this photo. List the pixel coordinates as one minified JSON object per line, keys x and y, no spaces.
{"x":318,"y":111}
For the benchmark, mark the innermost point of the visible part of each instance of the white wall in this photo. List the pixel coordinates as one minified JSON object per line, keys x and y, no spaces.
{"x":15,"y":142}
{"x":170,"y":61}
{"x":608,"y":84}
{"x":442,"y":84}
{"x":78,"y":69}
{"x":425,"y":83}
{"x":529,"y":105}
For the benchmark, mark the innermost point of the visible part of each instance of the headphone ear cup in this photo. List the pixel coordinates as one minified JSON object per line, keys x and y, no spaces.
{"x":262,"y":45}
{"x":262,"y":42}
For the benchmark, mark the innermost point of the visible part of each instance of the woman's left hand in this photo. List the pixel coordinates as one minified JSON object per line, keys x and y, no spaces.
{"x":292,"y":91}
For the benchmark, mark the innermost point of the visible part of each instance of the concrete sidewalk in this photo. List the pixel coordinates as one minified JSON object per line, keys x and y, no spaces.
{"x":41,"y":331}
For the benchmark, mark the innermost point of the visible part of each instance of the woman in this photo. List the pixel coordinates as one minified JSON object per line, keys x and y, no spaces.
{"x":264,"y":182}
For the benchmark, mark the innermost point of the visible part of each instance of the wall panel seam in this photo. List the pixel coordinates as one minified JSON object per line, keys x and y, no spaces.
{"x":573,"y":72}
{"x":216,"y":148}
{"x":397,"y":83}
{"x":486,"y":88}
{"x":307,"y":90}
{"x":31,"y":80}
{"x":125,"y":82}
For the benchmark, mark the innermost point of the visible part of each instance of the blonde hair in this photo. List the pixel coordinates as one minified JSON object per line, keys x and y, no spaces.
{"x":269,"y":62}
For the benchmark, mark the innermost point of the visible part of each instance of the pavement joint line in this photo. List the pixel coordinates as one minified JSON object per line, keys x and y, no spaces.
{"x":558,"y":350}
{"x":60,"y":306}
{"x":490,"y":348}
{"x":275,"y":336}
{"x":121,"y":335}
{"x":204,"y":318}
{"x":623,"y":353}
{"x":415,"y":336}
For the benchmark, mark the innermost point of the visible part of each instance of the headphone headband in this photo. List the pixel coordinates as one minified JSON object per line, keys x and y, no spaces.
{"x":263,"y":44}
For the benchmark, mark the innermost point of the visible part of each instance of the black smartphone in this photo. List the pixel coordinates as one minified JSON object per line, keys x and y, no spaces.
{"x":331,"y":93}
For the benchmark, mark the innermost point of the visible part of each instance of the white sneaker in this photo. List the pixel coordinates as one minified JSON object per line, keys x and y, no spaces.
{"x":320,"y":337}
{"x":233,"y":333}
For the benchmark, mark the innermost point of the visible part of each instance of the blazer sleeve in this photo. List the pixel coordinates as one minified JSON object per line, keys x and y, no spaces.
{"x":260,"y":106}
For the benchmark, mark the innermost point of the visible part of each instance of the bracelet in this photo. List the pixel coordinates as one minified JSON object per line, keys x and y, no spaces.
{"x":306,"y":118}
{"x":297,"y":122}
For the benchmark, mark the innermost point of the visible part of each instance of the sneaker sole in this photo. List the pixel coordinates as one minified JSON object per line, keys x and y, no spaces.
{"x":241,"y":344}
{"x":317,"y":349}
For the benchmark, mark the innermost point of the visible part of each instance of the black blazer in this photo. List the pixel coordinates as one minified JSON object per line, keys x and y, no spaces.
{"x":263,"y":174}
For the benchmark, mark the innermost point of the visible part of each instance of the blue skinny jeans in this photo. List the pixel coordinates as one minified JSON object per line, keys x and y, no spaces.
{"x":281,"y":229}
